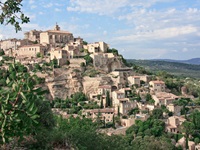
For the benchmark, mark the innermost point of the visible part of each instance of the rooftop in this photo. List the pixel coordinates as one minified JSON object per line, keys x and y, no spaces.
{"x":157,"y":82}
{"x":105,"y":110}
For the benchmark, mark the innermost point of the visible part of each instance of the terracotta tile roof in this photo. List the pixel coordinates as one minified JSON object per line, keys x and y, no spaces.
{"x":57,"y":31}
{"x":157,"y":82}
{"x":32,"y":45}
{"x":105,"y":110}
{"x":123,"y":99}
{"x":105,"y":86}
{"x":135,"y":76}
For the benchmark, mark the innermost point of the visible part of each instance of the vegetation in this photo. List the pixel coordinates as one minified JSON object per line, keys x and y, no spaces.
{"x":174,"y":68}
{"x":22,"y":111}
{"x":11,"y":13}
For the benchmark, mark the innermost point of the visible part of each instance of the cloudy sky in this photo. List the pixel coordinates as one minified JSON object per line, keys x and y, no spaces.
{"x":139,"y":29}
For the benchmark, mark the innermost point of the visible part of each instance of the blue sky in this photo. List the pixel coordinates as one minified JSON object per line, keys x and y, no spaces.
{"x":139,"y":29}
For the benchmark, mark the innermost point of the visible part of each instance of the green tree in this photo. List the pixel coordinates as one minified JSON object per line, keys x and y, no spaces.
{"x":187,"y":128}
{"x":108,"y":100}
{"x":183,"y":102}
{"x":157,"y":113}
{"x":88,"y":59}
{"x":38,"y":55}
{"x":11,"y":13}
{"x":101,"y":106}
{"x":18,"y":112}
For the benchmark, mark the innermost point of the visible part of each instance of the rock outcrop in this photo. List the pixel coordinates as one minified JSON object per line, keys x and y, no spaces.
{"x":64,"y":82}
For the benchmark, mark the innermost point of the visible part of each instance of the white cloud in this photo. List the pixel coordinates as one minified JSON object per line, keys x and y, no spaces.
{"x":184,"y":50}
{"x":158,"y":34}
{"x":101,"y":7}
{"x":31,"y":1}
{"x":58,"y":10}
{"x":48,"y":5}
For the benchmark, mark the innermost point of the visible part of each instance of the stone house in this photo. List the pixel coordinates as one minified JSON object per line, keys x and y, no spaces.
{"x":97,"y":47}
{"x":13,"y":44}
{"x":33,"y":35}
{"x":105,"y":114}
{"x":182,"y":143}
{"x":122,"y":103}
{"x":134,"y":80}
{"x":164,"y":98}
{"x":173,"y":123}
{"x":145,"y":78}
{"x":197,"y":147}
{"x":157,"y":86}
{"x":175,"y":109}
{"x":59,"y":54}
{"x":30,"y":50}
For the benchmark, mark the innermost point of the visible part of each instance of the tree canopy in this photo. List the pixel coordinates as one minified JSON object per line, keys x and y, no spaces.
{"x":12,"y":14}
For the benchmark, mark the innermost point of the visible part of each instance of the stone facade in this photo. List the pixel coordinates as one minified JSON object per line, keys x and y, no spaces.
{"x":56,"y":37}
{"x":12,"y":44}
{"x":33,"y":36}
{"x":30,"y":50}
{"x":97,"y":47}
{"x":157,"y":86}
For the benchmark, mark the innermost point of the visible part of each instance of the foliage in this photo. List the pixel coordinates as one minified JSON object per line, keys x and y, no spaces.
{"x":38,"y":55}
{"x":54,"y":63}
{"x":88,"y":59}
{"x":18,"y":98}
{"x":108,"y":100}
{"x":85,"y":43}
{"x":114,"y":51}
{"x":2,"y":52}
{"x":11,"y":13}
{"x":157,"y":113}
{"x":178,"y":69}
{"x":149,"y":127}
{"x":67,"y":62}
{"x":133,"y":111}
{"x":152,"y":143}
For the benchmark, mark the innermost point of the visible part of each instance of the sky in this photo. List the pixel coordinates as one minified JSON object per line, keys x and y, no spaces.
{"x":139,"y":29}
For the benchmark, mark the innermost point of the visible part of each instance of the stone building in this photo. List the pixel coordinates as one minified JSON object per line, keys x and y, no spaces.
{"x":59,"y":54}
{"x":30,"y":50}
{"x":164,"y":98}
{"x":97,"y":47}
{"x":134,"y":80}
{"x":173,"y":123}
{"x":12,"y":44}
{"x":33,"y":36}
{"x":56,"y":37}
{"x":157,"y":86}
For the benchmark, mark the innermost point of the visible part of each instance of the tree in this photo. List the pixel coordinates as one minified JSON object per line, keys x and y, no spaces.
{"x":157,"y":113}
{"x":88,"y":59}
{"x":67,"y":62}
{"x":133,"y":111}
{"x":195,"y":119}
{"x":18,"y":112}
{"x":183,"y":102}
{"x":101,"y":106}
{"x":11,"y":14}
{"x":108,"y":100}
{"x":187,"y":128}
{"x":148,"y":97}
{"x":38,"y":55}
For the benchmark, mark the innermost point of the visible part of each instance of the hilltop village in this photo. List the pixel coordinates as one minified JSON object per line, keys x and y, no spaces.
{"x":104,"y":86}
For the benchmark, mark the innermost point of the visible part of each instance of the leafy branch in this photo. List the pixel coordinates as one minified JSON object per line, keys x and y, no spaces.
{"x":11,"y":14}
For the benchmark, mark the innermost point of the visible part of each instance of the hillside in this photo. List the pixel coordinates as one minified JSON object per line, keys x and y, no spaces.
{"x":194,"y":61}
{"x":176,"y":68}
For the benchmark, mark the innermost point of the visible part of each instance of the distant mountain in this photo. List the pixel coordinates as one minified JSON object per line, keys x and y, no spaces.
{"x":194,"y":61}
{"x":189,"y":68}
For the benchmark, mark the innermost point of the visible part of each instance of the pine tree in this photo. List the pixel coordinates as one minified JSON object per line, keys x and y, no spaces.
{"x":101,"y":106}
